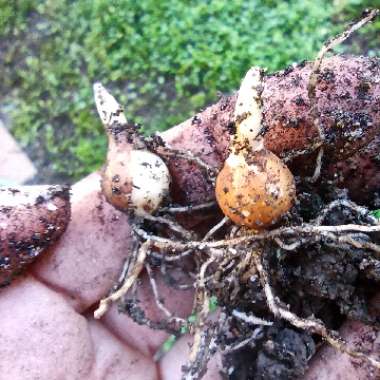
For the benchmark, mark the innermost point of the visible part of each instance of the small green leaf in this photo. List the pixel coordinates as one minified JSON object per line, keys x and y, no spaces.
{"x":213,"y":304}
{"x":169,"y":343}
{"x":376,"y":213}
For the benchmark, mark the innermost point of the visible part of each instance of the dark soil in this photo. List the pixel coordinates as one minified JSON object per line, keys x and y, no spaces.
{"x":277,"y":353}
{"x":317,"y":279}
{"x":320,"y":279}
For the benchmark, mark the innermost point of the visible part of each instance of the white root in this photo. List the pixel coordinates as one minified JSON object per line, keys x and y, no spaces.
{"x":250,"y":319}
{"x":138,"y":266}
{"x":306,"y":229}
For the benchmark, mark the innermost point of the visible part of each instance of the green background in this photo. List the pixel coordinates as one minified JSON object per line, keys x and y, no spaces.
{"x":163,"y":60}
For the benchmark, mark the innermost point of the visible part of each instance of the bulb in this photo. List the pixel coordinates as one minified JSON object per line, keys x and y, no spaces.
{"x":133,"y":177}
{"x":138,"y":181}
{"x":254,"y":188}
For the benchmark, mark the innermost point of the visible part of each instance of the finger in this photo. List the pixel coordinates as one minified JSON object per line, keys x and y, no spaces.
{"x":139,"y":336}
{"x":86,"y":262}
{"x":59,"y":344}
{"x":31,"y":219}
{"x":330,"y":364}
{"x":87,"y":259}
{"x":42,"y":337}
{"x":113,"y":360}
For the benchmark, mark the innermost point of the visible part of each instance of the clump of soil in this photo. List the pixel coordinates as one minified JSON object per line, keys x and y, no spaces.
{"x":318,"y":279}
{"x":278,"y":352}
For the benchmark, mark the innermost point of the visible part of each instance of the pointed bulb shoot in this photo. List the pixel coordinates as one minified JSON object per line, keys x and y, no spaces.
{"x":254,"y":188}
{"x":108,"y":108}
{"x":133,"y":179}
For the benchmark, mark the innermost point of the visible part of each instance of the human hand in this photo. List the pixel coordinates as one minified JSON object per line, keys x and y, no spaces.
{"x":47,"y":329}
{"x":48,"y":332}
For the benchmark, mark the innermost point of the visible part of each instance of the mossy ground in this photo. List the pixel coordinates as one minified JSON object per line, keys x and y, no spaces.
{"x":164,"y":60}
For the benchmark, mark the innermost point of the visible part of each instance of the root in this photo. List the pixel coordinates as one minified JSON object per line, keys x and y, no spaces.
{"x":289,"y":247}
{"x":171,"y":258}
{"x":201,"y":307}
{"x":330,"y":44}
{"x":313,"y":80}
{"x":309,"y":231}
{"x":170,"y":317}
{"x":166,"y":151}
{"x":127,"y":264}
{"x":250,"y":319}
{"x":318,"y":165}
{"x":215,"y":229}
{"x":173,"y":283}
{"x":204,"y":336}
{"x":248,"y":341}
{"x":105,"y":303}
{"x":344,"y":203}
{"x":206,"y":344}
{"x":171,"y":224}
{"x":187,"y":209}
{"x":137,"y":314}
{"x":309,"y":325}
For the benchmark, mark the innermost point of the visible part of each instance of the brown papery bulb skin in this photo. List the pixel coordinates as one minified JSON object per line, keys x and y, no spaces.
{"x":255,"y":189}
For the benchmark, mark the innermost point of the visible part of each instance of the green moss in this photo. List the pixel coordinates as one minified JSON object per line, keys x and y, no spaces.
{"x":162,"y":59}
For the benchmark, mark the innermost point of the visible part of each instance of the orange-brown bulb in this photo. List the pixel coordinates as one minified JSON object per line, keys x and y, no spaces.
{"x":255,"y":189}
